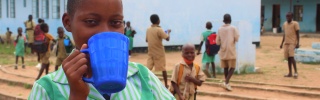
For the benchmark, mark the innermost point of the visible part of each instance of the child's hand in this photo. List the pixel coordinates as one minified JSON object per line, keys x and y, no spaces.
{"x":75,"y":66}
{"x":280,"y":46}
{"x":188,"y":78}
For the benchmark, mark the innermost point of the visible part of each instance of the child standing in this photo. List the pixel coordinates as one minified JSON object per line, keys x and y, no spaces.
{"x":206,"y":59}
{"x":130,"y":32}
{"x":64,"y":47}
{"x":227,"y":37}
{"x":19,"y":50}
{"x":45,"y":56}
{"x":85,"y":18}
{"x":186,"y":75}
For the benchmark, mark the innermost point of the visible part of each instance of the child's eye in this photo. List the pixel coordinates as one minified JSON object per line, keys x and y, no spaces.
{"x":116,"y":23}
{"x":91,"y":22}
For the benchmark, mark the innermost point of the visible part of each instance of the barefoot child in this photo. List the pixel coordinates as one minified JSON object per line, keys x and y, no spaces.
{"x":227,"y":37}
{"x":186,"y":75}
{"x":19,"y":52}
{"x":63,"y":49}
{"x":45,"y":63}
{"x":85,"y":18}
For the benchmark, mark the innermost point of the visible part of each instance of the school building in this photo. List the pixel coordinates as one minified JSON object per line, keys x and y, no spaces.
{"x":306,"y":12}
{"x":13,"y":13}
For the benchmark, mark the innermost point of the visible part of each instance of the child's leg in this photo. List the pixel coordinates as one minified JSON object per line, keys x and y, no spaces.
{"x":230,"y":73}
{"x":38,"y":54}
{"x":206,"y":71}
{"x":17,"y":60}
{"x":213,"y":69}
{"x":164,"y":74}
{"x":56,"y":67}
{"x":290,"y":67}
{"x":43,"y":66}
{"x":130,"y":52}
{"x":22,"y":58}
{"x":16,"y":66}
{"x":226,"y":71}
{"x":47,"y":68}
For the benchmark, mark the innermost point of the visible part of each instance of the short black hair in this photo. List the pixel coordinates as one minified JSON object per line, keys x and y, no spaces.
{"x":209,"y":25}
{"x":227,"y":18}
{"x":40,"y":20}
{"x":154,"y":18}
{"x":72,"y":5}
{"x":43,"y":26}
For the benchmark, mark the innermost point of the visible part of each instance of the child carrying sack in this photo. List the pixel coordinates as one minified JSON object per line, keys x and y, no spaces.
{"x":180,"y":73}
{"x":211,"y":45}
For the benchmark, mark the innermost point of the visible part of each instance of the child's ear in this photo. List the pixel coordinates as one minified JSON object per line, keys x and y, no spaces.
{"x":66,"y":20}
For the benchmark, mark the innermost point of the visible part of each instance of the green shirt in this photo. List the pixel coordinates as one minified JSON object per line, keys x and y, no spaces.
{"x":132,"y":91}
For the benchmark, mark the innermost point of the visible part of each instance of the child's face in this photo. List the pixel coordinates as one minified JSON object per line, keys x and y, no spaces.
{"x":92,"y":17}
{"x":60,"y":32}
{"x":188,"y":53}
{"x":20,"y":31}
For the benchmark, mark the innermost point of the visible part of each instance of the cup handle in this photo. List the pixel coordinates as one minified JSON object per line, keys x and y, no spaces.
{"x":86,"y":51}
{"x":88,"y":80}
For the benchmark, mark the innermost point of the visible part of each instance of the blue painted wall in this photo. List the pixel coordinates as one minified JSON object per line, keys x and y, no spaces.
{"x":308,"y":24}
{"x":22,"y":15}
{"x":186,"y":18}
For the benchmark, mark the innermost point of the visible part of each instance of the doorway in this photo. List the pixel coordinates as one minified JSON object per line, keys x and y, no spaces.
{"x":276,"y":16}
{"x":318,"y":18}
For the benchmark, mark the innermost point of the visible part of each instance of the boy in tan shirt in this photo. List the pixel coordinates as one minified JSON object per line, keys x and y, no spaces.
{"x":227,"y":37}
{"x":156,"y":53}
{"x":186,"y":75}
{"x":291,"y":42}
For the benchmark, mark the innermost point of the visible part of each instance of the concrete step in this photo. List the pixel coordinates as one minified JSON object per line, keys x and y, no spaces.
{"x":308,"y":52}
{"x":316,"y":45}
{"x":312,"y":59}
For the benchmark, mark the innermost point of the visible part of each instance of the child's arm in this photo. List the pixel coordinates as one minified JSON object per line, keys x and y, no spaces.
{"x":194,"y":80}
{"x":201,"y":43}
{"x":75,"y":66}
{"x":282,"y":41}
{"x":177,"y":90}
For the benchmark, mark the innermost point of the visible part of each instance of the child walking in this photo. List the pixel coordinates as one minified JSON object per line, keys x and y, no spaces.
{"x":186,"y":75}
{"x":227,"y":37}
{"x":207,"y":59}
{"x":45,"y":63}
{"x":19,"y":50}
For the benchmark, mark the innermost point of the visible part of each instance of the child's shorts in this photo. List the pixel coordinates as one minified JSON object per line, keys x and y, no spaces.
{"x":45,"y":57}
{"x":159,"y":62}
{"x":228,"y":63}
{"x":288,"y":50}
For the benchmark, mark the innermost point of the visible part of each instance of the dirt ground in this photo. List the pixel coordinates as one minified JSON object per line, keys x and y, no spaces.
{"x":269,"y":60}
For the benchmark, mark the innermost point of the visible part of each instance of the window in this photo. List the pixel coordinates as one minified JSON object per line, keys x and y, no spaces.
{"x":0,"y":8}
{"x":7,"y":8}
{"x":24,"y":3}
{"x":12,"y":9}
{"x":35,"y":8}
{"x":298,"y":13}
{"x":45,"y":9}
{"x":56,"y":9}
{"x":65,"y":5}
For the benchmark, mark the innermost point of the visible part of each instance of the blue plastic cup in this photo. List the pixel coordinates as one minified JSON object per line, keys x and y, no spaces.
{"x":108,"y":53}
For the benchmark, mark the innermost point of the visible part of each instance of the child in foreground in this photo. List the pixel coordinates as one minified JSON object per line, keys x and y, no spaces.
{"x":85,"y":18}
{"x":186,"y":75}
